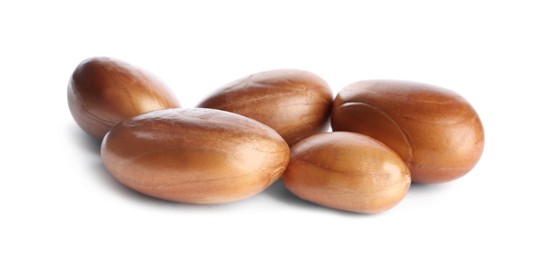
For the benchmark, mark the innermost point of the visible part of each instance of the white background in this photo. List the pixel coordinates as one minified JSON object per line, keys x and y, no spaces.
{"x":58,"y":201}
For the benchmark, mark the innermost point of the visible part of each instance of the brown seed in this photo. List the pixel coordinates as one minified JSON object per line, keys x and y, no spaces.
{"x":295,"y":103}
{"x":104,"y":91}
{"x":195,"y":155}
{"x":436,"y":131}
{"x":347,"y":171}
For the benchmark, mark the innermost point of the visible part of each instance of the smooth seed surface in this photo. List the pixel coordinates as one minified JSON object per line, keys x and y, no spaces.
{"x":104,"y":91}
{"x":347,"y":171}
{"x":195,"y":155}
{"x":295,"y":103}
{"x":436,"y":131}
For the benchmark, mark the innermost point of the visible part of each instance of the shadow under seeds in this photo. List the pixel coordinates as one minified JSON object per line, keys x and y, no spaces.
{"x":88,"y":143}
{"x":420,"y":188}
